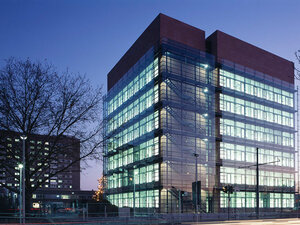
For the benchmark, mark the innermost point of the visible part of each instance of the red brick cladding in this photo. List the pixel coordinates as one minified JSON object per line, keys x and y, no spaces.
{"x":161,"y":27}
{"x":224,"y":46}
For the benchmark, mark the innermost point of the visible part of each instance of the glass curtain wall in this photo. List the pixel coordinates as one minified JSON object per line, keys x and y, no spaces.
{"x":257,"y":112}
{"x":187,"y":121}
{"x":157,"y":117}
{"x":131,"y":149}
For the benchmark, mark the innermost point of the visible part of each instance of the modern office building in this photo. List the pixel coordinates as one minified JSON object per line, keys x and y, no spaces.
{"x":186,"y":115}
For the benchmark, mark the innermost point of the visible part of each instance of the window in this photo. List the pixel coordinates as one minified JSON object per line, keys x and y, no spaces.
{"x":255,"y":88}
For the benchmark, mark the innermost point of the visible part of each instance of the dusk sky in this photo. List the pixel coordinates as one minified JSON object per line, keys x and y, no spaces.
{"x":89,"y":37}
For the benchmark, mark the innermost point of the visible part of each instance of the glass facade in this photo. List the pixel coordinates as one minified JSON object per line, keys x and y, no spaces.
{"x":187,"y":144}
{"x":157,"y":117}
{"x":131,"y":116}
{"x":256,"y":111}
{"x":178,"y":123}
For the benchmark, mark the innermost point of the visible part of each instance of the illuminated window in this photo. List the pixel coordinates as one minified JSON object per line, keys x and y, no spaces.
{"x":65,"y":197}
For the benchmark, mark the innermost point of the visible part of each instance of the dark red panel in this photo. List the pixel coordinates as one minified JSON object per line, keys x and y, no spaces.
{"x":148,"y":38}
{"x":230,"y":48}
{"x":162,"y":27}
{"x":182,"y":32}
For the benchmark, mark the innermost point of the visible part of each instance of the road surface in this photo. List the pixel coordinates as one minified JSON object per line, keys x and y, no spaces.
{"x":290,"y":221}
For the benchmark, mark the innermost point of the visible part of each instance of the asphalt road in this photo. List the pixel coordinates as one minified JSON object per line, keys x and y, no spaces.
{"x":290,"y":221}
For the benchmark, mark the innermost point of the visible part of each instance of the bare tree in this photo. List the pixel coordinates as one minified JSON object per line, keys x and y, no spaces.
{"x":297,"y":71}
{"x":62,"y":108}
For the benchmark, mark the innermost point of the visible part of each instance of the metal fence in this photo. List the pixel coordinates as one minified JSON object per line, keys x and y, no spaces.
{"x":95,"y":213}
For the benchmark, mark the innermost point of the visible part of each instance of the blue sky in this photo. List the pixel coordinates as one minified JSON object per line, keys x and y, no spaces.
{"x":89,"y":37}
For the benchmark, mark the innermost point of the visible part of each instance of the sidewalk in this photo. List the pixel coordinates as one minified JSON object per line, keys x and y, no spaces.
{"x":290,"y":221}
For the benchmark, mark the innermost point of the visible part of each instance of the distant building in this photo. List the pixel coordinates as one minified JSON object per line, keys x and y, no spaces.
{"x":42,"y":162}
{"x":182,"y":108}
{"x":54,"y":199}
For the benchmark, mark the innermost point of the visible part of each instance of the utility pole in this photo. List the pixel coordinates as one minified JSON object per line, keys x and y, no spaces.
{"x":133,"y":195}
{"x":257,"y":178}
{"x":257,"y":185}
{"x":23,"y":137}
{"x":196,"y":178}
{"x":133,"y":180}
{"x":20,"y":194}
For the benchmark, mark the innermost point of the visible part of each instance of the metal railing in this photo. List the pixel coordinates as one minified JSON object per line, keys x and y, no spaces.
{"x":85,"y":215}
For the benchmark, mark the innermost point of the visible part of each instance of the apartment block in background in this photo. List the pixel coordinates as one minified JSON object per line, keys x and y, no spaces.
{"x":42,"y":161}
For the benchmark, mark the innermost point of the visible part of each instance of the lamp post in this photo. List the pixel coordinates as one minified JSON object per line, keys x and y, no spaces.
{"x":134,"y":167}
{"x":133,"y":194}
{"x":23,"y":138}
{"x":196,"y":178}
{"x":257,"y":185}
{"x":20,"y":166}
{"x":132,"y":179}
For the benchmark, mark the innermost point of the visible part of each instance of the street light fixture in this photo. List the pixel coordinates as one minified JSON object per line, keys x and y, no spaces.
{"x":20,"y":166}
{"x":23,"y":138}
{"x":133,"y":180}
{"x":196,"y":178}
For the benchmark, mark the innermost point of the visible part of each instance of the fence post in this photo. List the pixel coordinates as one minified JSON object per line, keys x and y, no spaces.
{"x":83,"y":213}
{"x":87,"y":211}
{"x":105,"y":215}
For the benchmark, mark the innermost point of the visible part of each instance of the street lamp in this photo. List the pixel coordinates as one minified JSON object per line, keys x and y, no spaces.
{"x":23,"y":138}
{"x":20,"y":166}
{"x":133,"y":180}
{"x":196,"y":178}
